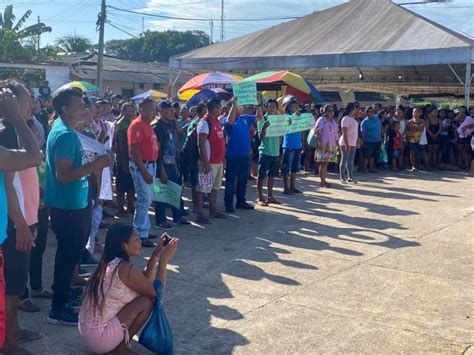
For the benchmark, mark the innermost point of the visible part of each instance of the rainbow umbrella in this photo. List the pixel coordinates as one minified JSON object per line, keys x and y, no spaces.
{"x":286,"y":83}
{"x":207,"y":81}
{"x":84,"y":86}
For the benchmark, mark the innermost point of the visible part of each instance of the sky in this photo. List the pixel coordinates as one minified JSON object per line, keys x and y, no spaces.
{"x":79,"y":16}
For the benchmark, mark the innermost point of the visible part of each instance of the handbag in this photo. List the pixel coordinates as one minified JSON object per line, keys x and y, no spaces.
{"x":312,"y":139}
{"x":157,"y":336}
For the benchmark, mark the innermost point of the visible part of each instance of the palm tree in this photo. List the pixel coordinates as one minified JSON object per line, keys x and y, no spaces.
{"x":8,"y":19}
{"x":73,"y":43}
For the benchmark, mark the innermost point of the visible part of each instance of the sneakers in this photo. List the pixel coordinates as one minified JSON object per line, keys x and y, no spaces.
{"x":244,"y":206}
{"x":64,"y":317}
{"x":230,"y":209}
{"x":167,"y":226}
{"x":75,"y":304}
{"x":84,"y":273}
{"x":147,"y":243}
{"x":182,"y":222}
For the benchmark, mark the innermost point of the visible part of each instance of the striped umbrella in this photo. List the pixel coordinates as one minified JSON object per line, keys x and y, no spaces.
{"x":84,"y":86}
{"x":207,"y":81}
{"x":286,"y":83}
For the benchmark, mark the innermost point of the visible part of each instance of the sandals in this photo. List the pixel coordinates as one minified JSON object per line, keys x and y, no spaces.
{"x":296,"y":191}
{"x":273,"y":201}
{"x":262,"y":203}
{"x":287,"y":192}
{"x":28,"y":306}
{"x":27,"y":336}
{"x":41,"y":294}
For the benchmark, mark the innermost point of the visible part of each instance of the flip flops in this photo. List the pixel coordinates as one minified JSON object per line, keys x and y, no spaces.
{"x":28,"y":306}
{"x":27,"y":336}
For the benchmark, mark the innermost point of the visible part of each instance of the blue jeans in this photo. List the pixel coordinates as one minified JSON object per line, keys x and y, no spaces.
{"x":347,"y":163}
{"x":141,"y":221}
{"x":237,"y":169}
{"x":291,"y":160}
{"x":445,"y":147}
{"x":160,"y":207}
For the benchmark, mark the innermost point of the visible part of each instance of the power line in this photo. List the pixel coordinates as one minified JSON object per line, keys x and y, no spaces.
{"x":204,"y":19}
{"x":118,"y":28}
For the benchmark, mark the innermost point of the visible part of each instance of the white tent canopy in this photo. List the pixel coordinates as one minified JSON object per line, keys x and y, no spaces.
{"x":362,"y":44}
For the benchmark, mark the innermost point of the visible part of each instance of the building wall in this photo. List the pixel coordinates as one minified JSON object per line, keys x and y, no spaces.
{"x":57,"y":76}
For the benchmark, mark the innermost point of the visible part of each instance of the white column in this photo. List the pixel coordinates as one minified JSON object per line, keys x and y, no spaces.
{"x":467,"y":84}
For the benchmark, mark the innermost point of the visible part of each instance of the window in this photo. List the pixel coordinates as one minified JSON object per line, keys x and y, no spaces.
{"x":128,"y":93}
{"x":157,"y":86}
{"x":142,"y":86}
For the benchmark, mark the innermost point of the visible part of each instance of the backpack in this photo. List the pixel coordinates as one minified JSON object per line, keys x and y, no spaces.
{"x":190,"y":147}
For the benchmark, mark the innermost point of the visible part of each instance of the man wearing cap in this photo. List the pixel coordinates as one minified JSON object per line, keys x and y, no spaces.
{"x":167,"y":169}
{"x":143,"y":150}
{"x":237,"y":128}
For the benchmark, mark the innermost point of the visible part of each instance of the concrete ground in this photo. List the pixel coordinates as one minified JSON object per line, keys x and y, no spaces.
{"x":385,"y":266}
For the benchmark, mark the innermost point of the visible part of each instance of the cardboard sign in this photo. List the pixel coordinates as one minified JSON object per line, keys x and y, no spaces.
{"x":169,"y":193}
{"x":278,"y":125}
{"x":246,"y":93}
{"x":301,"y":123}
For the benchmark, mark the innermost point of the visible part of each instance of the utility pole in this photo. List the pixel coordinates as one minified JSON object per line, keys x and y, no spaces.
{"x":38,"y":45}
{"x":212,"y":31}
{"x":143,"y":24}
{"x":100,"y":56}
{"x":222,"y":20}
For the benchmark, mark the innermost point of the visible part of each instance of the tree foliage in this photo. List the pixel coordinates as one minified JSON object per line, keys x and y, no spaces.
{"x":73,"y":43}
{"x":15,"y":39}
{"x":153,"y":46}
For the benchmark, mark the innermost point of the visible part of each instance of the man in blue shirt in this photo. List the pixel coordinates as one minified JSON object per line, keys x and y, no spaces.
{"x":237,"y":157}
{"x":66,"y":194}
{"x":292,"y":144}
{"x":371,"y":129}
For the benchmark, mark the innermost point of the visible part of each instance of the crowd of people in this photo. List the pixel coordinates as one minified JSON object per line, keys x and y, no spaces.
{"x":54,"y":154}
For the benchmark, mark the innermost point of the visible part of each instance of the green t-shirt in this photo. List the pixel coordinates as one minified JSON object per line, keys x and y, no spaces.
{"x":269,"y":145}
{"x":63,"y":143}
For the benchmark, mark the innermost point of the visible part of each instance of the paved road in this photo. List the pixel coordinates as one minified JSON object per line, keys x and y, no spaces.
{"x":385,"y":266}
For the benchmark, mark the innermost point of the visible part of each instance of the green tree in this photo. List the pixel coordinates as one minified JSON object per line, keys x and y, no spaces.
{"x":73,"y":43}
{"x":13,"y":35}
{"x":153,"y":46}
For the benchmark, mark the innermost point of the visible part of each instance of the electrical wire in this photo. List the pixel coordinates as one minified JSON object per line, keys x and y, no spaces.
{"x":122,"y":30}
{"x":203,"y":19}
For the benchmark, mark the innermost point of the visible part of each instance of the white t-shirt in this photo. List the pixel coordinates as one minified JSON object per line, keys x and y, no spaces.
{"x":203,"y":128}
{"x":423,"y":138}
{"x":352,"y":131}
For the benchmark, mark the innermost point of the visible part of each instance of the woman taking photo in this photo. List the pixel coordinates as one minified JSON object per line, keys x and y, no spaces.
{"x":119,"y":298}
{"x":348,"y":143}
{"x":326,"y":152}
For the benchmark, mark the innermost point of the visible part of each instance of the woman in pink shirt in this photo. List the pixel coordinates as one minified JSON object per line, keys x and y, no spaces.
{"x":119,"y":298}
{"x":348,"y":143}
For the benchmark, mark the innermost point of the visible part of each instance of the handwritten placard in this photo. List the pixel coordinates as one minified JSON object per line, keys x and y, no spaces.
{"x":278,"y":125}
{"x":169,"y":193}
{"x":301,"y":123}
{"x":106,"y":185}
{"x":246,"y":93}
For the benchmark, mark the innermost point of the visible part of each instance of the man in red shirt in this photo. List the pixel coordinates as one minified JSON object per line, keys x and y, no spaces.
{"x":211,"y":144}
{"x":143,"y":150}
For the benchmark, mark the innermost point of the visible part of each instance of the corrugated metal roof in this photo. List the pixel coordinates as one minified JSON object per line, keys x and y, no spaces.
{"x":344,"y":35}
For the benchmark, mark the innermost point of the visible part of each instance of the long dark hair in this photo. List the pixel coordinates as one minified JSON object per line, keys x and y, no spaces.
{"x":349,"y":108}
{"x":117,"y":235}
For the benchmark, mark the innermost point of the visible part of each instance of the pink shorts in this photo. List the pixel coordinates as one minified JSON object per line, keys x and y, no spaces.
{"x":104,"y":339}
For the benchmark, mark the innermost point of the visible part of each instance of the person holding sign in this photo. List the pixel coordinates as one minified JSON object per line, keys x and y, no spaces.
{"x":292,"y":144}
{"x":269,"y":150}
{"x":237,"y":128}
{"x":328,"y":137}
{"x":167,"y":163}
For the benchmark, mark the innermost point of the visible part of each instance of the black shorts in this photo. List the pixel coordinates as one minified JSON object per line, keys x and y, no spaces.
{"x":372,"y":150}
{"x":267,"y":166}
{"x":124,"y":181}
{"x":17,"y":264}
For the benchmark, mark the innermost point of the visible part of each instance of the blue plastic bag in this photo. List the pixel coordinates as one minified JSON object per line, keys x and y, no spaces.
{"x":157,"y":335}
